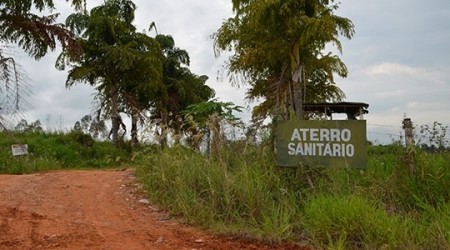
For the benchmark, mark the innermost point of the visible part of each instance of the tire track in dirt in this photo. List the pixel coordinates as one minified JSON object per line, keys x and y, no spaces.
{"x":94,"y":210}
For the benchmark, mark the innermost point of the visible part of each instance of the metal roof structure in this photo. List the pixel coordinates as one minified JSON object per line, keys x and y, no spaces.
{"x":352,"y":109}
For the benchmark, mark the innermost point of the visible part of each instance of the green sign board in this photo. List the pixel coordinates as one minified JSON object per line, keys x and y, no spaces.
{"x":336,"y":143}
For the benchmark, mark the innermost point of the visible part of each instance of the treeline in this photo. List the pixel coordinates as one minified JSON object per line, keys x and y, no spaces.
{"x":278,"y":51}
{"x":146,"y":78}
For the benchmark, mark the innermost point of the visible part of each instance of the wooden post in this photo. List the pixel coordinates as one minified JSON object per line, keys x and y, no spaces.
{"x":409,"y":142}
{"x":407,"y":126}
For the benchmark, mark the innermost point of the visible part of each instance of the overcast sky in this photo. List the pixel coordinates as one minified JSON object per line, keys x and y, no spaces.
{"x":398,"y":60}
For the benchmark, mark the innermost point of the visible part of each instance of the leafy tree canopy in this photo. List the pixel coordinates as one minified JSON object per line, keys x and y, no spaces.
{"x":35,"y":34}
{"x":182,"y":87}
{"x":124,"y":65}
{"x":279,"y":47}
{"x":32,"y":32}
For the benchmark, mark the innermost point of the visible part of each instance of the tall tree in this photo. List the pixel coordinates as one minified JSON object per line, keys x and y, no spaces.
{"x":278,"y":48}
{"x":123,"y":65}
{"x":182,"y":87}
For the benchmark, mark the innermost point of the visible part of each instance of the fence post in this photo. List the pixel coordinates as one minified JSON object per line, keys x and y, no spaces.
{"x":407,"y":126}
{"x":409,"y":142}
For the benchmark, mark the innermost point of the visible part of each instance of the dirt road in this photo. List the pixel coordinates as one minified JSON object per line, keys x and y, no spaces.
{"x":94,"y":210}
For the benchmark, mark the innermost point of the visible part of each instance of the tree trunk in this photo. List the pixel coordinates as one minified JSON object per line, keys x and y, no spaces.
{"x":134,"y":121}
{"x":215,"y":136}
{"x":297,"y":69}
{"x":115,"y":116}
{"x":163,"y":127}
{"x":297,"y":84}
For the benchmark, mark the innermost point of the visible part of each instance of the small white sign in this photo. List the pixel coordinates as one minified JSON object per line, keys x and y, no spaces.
{"x":19,"y":149}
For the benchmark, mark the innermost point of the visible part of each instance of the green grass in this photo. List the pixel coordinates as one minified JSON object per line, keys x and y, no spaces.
{"x":51,"y":151}
{"x":244,"y":193}
{"x":353,"y":222}
{"x":241,"y":192}
{"x":248,"y":199}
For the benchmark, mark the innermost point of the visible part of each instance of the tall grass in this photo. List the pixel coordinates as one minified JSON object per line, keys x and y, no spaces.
{"x":241,"y":191}
{"x":246,"y":198}
{"x":244,"y":193}
{"x":353,"y":222}
{"x":50,"y":151}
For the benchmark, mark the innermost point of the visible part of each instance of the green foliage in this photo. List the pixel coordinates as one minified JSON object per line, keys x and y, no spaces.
{"x":402,"y":191}
{"x":201,"y":112}
{"x":278,"y":49}
{"x":125,"y":66}
{"x":50,"y":151}
{"x":207,"y":118}
{"x":132,"y":72}
{"x":432,"y":138}
{"x":436,"y":222}
{"x":33,"y":33}
{"x":23,"y":126}
{"x":92,"y":126}
{"x":181,"y":88}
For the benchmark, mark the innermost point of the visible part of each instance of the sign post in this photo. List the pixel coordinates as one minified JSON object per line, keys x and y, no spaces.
{"x":335,"y":143}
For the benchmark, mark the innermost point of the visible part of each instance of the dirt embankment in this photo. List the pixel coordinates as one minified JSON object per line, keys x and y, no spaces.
{"x":94,"y":210}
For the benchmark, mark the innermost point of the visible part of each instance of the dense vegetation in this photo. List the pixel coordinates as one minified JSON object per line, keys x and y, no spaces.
{"x":245,"y":194}
{"x":146,"y":78}
{"x":53,"y":151}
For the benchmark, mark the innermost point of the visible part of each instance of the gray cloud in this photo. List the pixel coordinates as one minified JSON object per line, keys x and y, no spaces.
{"x":399,"y":59}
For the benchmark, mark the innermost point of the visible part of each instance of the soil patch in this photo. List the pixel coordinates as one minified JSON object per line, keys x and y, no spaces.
{"x":95,"y":210}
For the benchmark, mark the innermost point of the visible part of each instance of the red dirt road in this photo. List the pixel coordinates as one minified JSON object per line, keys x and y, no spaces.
{"x":94,"y":210}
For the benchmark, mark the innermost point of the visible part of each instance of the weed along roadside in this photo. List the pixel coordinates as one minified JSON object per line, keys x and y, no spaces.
{"x":95,"y":209}
{"x":344,"y":208}
{"x":62,"y":215}
{"x":241,"y":193}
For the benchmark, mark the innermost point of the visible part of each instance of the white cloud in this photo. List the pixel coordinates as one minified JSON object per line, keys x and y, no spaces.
{"x":391,"y":69}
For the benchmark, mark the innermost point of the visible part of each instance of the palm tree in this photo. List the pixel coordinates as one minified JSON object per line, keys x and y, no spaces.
{"x":278,"y":48}
{"x":123,"y":65}
{"x":182,"y":87}
{"x":33,"y":33}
